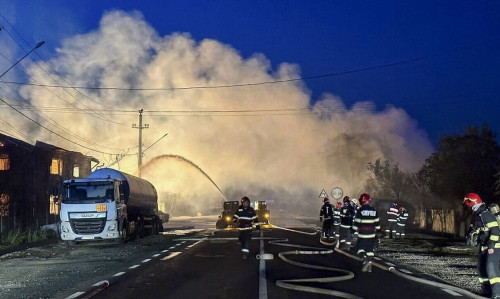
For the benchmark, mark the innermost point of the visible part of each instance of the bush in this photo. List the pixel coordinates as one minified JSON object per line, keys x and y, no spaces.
{"x":17,"y":237}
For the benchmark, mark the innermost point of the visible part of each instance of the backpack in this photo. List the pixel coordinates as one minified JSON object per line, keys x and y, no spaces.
{"x":495,"y":210}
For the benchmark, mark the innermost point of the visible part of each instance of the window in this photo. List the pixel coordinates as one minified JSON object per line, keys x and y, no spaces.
{"x":4,"y":162}
{"x":54,"y":205}
{"x":76,"y":171}
{"x":4,"y":204}
{"x":56,"y":166}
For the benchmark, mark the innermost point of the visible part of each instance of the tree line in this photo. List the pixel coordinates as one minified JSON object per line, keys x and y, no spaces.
{"x":469,"y":162}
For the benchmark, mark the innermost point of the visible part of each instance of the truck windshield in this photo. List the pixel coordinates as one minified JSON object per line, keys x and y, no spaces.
{"x":88,"y":193}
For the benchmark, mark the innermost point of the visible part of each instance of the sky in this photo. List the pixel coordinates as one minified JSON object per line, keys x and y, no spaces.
{"x":347,"y":82}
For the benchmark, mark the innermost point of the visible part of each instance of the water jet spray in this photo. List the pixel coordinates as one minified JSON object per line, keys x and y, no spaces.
{"x":183,"y":160}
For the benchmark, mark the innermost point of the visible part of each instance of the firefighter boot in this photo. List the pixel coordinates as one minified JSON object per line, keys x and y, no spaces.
{"x":366,"y":264}
{"x":486,"y":289}
{"x":369,"y":269}
{"x":244,"y":253}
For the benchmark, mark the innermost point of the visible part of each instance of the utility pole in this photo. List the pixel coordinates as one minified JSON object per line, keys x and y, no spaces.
{"x":139,"y":154}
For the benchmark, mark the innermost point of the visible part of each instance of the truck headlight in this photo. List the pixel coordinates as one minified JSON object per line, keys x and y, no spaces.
{"x":228,"y":219}
{"x":266,"y":215}
{"x":64,"y":229}
{"x":112,"y":227}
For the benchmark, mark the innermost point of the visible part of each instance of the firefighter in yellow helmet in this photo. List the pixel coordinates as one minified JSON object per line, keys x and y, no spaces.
{"x":486,"y":227}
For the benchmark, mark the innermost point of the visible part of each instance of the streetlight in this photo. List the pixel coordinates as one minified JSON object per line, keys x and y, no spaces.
{"x":36,"y":47}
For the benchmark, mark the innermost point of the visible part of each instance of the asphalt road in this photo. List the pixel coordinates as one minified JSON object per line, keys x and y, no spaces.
{"x":193,"y":260}
{"x":201,"y":266}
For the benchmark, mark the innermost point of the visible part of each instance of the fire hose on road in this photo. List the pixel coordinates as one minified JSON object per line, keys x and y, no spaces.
{"x":291,"y":284}
{"x":287,"y":283}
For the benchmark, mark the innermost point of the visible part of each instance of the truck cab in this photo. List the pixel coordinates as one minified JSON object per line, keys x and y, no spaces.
{"x":91,"y":210}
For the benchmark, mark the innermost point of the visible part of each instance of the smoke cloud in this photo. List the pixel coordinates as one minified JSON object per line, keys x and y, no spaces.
{"x":269,"y":141}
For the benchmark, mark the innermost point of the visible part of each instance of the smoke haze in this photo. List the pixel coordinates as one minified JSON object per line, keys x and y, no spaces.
{"x":269,"y":141}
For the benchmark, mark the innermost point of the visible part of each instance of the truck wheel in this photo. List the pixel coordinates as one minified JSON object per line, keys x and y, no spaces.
{"x":132,"y":236}
{"x":124,"y":233}
{"x":159,"y":227}
{"x":140,"y":229}
{"x":155,"y":228}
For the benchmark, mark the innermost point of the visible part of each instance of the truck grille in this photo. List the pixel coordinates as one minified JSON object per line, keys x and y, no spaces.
{"x":88,"y":226}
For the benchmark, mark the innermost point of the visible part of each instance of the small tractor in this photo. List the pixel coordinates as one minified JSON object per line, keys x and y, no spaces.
{"x":262,"y":211}
{"x":226,"y":216}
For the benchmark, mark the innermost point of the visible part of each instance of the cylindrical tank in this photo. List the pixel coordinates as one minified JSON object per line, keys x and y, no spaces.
{"x":140,"y":195}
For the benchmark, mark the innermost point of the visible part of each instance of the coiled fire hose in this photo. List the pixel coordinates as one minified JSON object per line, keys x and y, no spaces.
{"x":288,"y":283}
{"x":291,"y":284}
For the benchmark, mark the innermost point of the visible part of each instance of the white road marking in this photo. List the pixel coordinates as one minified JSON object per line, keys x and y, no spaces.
{"x":405,"y":271}
{"x":119,"y":274}
{"x":146,"y":260}
{"x":262,"y":272}
{"x":134,"y":266}
{"x":390,"y":264}
{"x":377,"y":258}
{"x":99,"y":283}
{"x":453,"y":293}
{"x":155,"y":255}
{"x":75,"y":295}
{"x":166,"y":250}
{"x":173,"y":254}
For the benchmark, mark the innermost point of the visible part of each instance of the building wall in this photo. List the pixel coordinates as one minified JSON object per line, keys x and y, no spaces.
{"x":29,"y":183}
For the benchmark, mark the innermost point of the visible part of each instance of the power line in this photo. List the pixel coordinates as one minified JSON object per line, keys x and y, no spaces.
{"x":59,"y":135}
{"x":50,"y":120}
{"x":48,"y":74}
{"x":270,"y":81}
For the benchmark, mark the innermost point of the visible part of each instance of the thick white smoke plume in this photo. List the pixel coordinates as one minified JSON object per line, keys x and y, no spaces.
{"x":266,"y":141}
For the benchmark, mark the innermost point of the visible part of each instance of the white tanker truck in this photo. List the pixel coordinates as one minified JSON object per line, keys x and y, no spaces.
{"x":108,"y":205}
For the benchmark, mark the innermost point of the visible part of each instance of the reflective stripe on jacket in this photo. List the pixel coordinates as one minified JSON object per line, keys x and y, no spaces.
{"x":246,"y":217}
{"x":366,"y":222}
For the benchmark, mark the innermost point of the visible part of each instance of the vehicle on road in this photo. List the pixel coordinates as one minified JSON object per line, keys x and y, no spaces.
{"x":227,"y":213}
{"x":108,"y":205}
{"x":262,"y":211}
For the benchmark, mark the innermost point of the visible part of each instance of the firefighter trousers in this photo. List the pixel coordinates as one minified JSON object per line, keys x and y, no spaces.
{"x":327,"y":227}
{"x":245,"y":238}
{"x":345,"y":235}
{"x":365,"y":246}
{"x":489,"y":272}
{"x":390,"y":230}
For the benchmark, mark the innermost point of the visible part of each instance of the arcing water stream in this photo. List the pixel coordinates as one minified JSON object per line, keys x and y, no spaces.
{"x":183,"y":160}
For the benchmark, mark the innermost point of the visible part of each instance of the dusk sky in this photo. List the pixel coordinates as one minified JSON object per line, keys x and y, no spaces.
{"x":346,"y":83}
{"x":453,"y":82}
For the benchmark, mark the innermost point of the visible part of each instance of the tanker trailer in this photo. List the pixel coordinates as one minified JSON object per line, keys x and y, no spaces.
{"x":108,"y":205}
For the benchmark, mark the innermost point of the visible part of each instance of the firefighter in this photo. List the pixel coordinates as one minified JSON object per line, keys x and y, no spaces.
{"x":346,"y":216}
{"x":355,"y":208}
{"x":336,"y":220}
{"x":245,"y":216}
{"x":401,"y":223}
{"x":367,"y":225}
{"x":488,"y":232}
{"x":392,"y":219}
{"x":326,"y":217}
